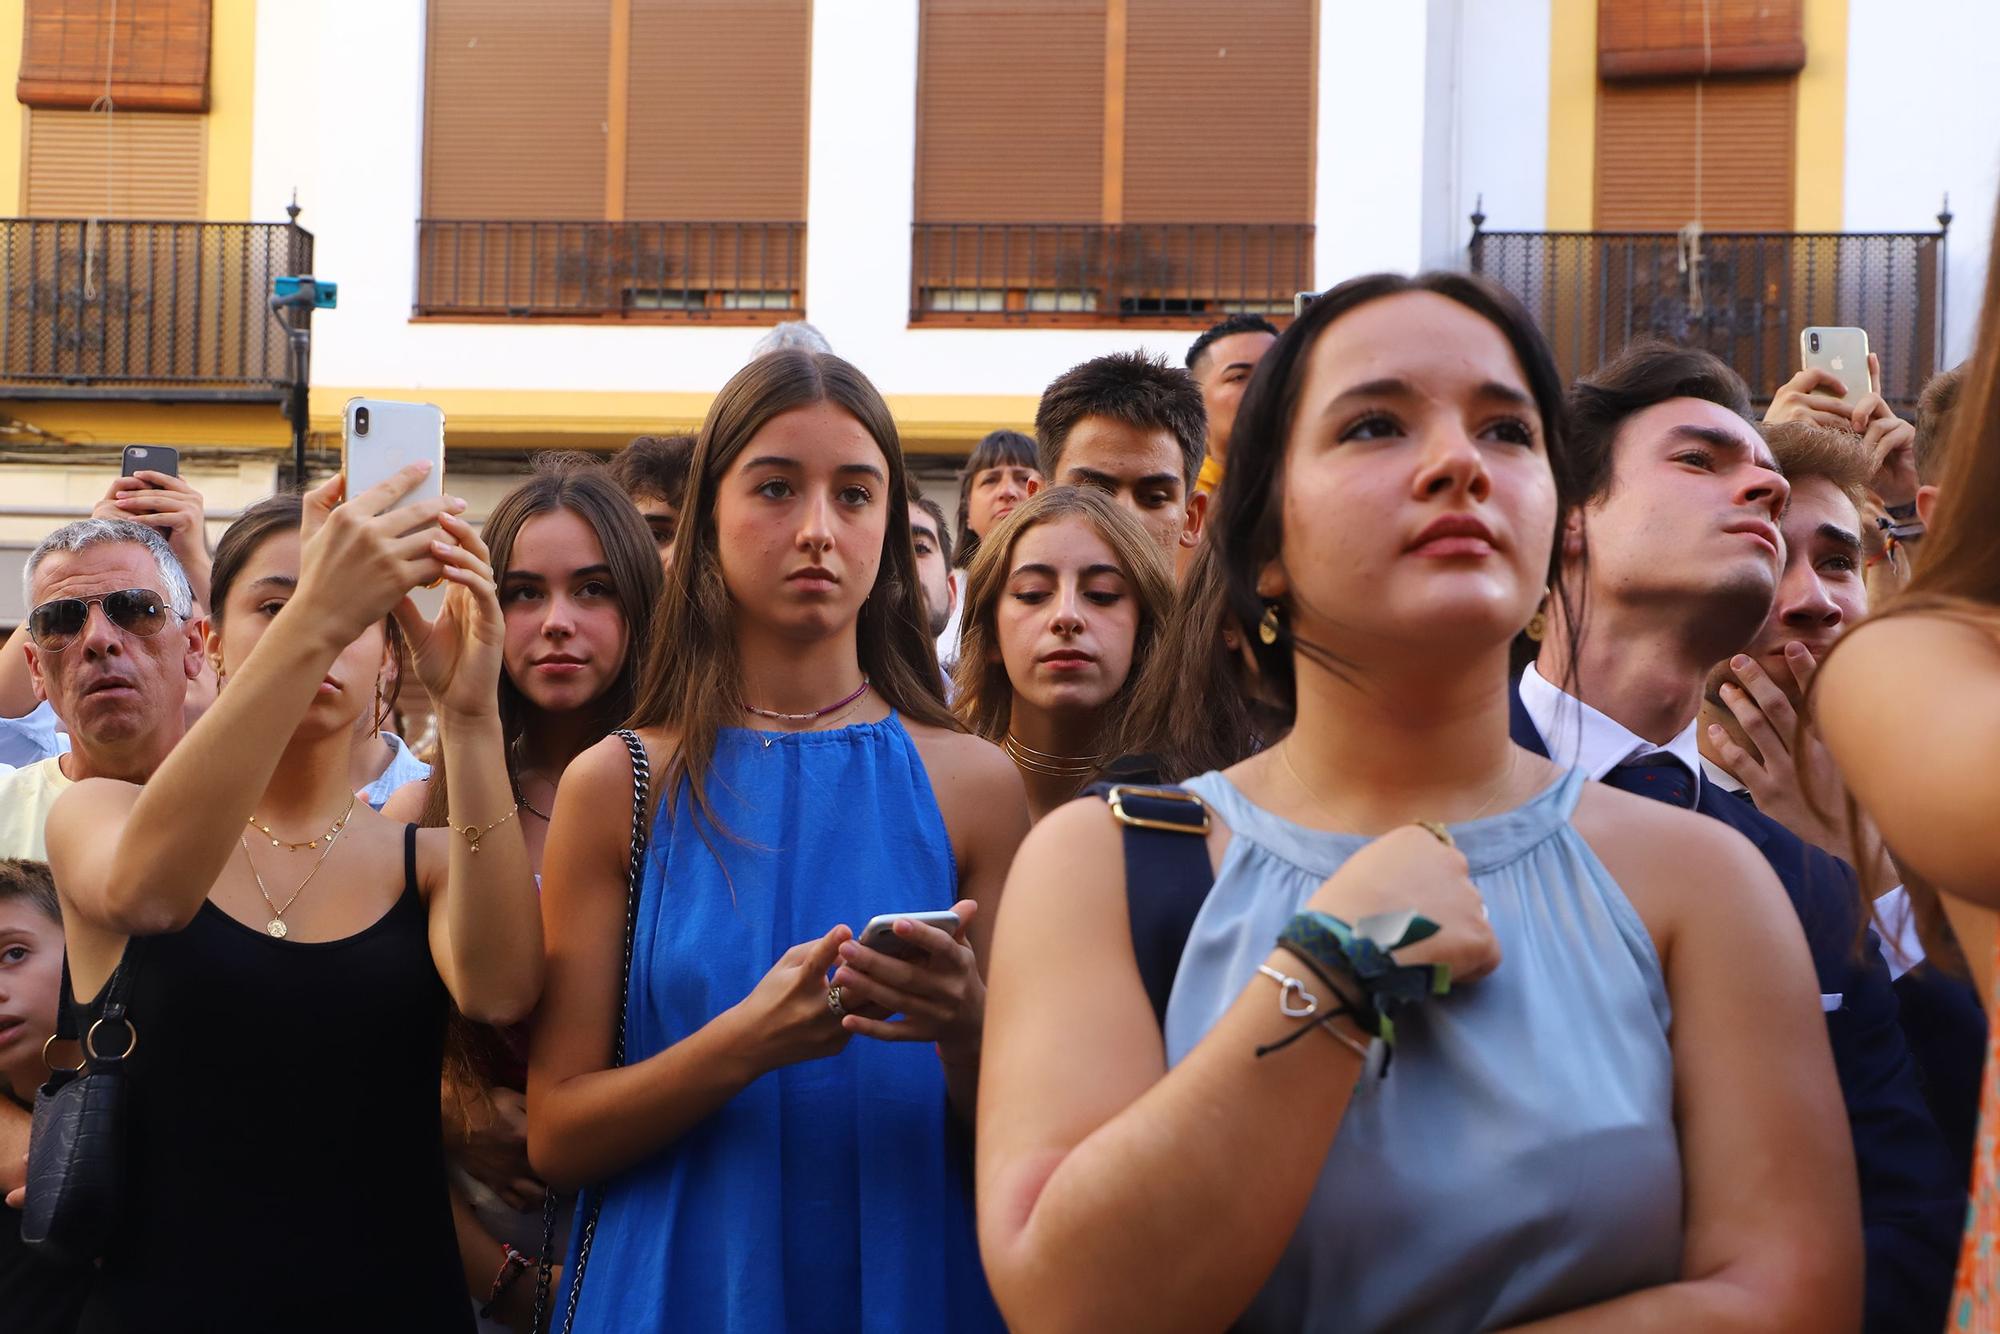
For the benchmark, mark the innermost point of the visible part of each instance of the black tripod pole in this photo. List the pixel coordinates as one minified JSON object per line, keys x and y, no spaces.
{"x":298,"y":402}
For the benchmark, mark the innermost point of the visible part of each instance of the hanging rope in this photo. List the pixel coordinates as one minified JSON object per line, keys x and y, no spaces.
{"x":92,"y":234}
{"x":1690,"y":239}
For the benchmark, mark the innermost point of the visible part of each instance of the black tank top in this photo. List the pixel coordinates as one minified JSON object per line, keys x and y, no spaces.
{"x":285,"y":1170}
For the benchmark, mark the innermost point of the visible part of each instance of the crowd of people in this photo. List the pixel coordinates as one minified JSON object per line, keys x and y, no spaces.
{"x":1349,"y":833}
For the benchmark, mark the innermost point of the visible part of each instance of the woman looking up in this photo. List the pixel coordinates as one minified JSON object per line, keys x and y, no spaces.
{"x":1396,"y":476}
{"x":1063,"y":606}
{"x":293,"y":953}
{"x":752,"y":1166}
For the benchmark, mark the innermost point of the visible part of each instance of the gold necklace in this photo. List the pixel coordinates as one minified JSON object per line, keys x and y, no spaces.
{"x":276,"y":927}
{"x":290,"y":846}
{"x":1434,"y":826}
{"x":1041,"y":762}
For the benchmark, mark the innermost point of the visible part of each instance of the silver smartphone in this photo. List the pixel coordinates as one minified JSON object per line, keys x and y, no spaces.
{"x":1841,"y":351}
{"x":380,"y":436}
{"x":880,"y":933}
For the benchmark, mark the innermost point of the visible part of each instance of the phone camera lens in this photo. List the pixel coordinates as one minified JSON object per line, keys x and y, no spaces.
{"x":1815,"y":342}
{"x":361,"y":414}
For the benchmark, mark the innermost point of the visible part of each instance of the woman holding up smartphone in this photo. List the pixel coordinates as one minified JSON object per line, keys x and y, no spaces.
{"x":293,"y":953}
{"x":1063,"y":606}
{"x":751,"y":1168}
{"x":1585,"y":1131}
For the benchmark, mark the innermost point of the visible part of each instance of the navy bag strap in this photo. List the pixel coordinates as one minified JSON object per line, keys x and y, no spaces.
{"x":1167,"y":876}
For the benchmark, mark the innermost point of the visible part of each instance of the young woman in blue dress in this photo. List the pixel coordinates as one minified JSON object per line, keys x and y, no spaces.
{"x":780,"y":1150}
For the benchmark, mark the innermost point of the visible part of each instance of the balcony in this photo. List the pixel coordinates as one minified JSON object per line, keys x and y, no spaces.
{"x":161,"y":311}
{"x":1185,"y":275}
{"x":637,"y":272}
{"x":1741,"y":295}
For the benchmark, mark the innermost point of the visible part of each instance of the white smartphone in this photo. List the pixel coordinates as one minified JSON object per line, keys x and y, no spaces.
{"x":1838,"y":351}
{"x":380,"y":436}
{"x":880,"y":933}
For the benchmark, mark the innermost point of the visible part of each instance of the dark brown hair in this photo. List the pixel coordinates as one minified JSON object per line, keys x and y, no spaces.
{"x":1129,"y":387}
{"x":1647,"y":372}
{"x":654,"y":465}
{"x":998,"y":449}
{"x":984,"y":693}
{"x":1935,"y":407}
{"x":691,"y":677}
{"x":31,"y":883}
{"x":572,"y":482}
{"x":285,"y":513}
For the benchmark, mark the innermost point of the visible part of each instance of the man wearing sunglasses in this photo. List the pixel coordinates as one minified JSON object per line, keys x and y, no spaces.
{"x":113,"y":641}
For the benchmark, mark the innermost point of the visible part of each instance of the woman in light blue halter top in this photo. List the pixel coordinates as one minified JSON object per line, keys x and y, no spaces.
{"x":1623,"y":1113}
{"x":785,"y":1146}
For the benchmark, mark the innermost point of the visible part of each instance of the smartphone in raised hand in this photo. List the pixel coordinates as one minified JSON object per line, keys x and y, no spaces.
{"x":380,"y":436}
{"x":150,"y":458}
{"x":1840,"y":351}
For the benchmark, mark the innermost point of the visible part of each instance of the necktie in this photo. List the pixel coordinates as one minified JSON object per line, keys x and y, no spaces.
{"x":1659,"y":776}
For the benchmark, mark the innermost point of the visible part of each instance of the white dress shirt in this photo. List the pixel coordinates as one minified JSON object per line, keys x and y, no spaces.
{"x":1595,"y":742}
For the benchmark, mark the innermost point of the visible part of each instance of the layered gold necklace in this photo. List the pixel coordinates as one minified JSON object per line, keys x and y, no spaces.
{"x":1077,"y":767}
{"x":276,"y":928}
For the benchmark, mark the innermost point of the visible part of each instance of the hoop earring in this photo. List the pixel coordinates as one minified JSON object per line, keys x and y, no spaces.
{"x":376,"y":730}
{"x":1267,"y":628}
{"x":1538,"y":624}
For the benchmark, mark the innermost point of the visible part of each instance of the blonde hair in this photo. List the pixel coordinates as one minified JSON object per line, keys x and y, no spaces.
{"x":985,"y":694}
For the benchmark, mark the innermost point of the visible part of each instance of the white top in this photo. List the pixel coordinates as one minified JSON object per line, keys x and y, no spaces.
{"x":1595,"y":742}
{"x":25,"y":797}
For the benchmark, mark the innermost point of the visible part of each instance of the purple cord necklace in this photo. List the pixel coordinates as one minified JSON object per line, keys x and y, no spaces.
{"x":816,"y":714}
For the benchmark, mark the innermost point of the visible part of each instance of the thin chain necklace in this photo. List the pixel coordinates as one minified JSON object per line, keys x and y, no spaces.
{"x":276,"y":927}
{"x":816,"y":714}
{"x":1284,"y":750}
{"x":770,"y":739}
{"x":313,"y":842}
{"x":1042,"y":762}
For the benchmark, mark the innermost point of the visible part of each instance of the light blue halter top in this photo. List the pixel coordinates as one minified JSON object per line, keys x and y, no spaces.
{"x":1519,"y":1159}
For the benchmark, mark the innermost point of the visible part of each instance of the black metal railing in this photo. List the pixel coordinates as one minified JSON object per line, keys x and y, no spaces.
{"x":1061,"y":272}
{"x":1741,"y":295}
{"x":162,"y":310}
{"x":737,"y":272}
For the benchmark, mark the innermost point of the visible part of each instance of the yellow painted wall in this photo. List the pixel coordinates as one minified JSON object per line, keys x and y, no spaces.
{"x":232,"y":78}
{"x":1820,"y":159}
{"x":13,"y":116}
{"x":1572,"y":114}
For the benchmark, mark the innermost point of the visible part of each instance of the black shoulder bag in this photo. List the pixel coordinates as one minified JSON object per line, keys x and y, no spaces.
{"x":76,"y":1142}
{"x":590,"y":1201}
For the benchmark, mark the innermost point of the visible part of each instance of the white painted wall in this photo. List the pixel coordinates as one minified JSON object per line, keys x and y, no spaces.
{"x":1922,"y":120}
{"x":1487,"y":122}
{"x":339,"y":115}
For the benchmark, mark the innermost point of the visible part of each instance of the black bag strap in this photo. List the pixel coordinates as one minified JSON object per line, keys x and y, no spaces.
{"x":635,"y":870}
{"x":1167,"y":876}
{"x":111,"y":1005}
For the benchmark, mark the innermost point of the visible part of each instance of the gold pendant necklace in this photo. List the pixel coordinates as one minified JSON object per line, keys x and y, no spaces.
{"x":290,"y":846}
{"x":276,"y":928}
{"x":1436,"y":828}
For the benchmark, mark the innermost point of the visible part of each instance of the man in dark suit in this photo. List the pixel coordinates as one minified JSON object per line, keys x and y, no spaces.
{"x":1671,"y":554}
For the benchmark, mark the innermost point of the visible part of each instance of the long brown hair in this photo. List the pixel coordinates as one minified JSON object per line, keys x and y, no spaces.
{"x":1957,"y":568}
{"x":579,"y":484}
{"x":691,"y":675}
{"x":984,"y":693}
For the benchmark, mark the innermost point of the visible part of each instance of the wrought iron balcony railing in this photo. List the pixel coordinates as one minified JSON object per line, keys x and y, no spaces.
{"x":1742,"y":295}
{"x":152,"y":310}
{"x":714,"y":272}
{"x":1043,"y":273}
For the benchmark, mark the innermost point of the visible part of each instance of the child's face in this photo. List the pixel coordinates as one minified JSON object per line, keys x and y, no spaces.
{"x":31,"y":954}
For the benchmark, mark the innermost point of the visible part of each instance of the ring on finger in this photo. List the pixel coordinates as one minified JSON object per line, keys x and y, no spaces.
{"x":833,"y":1002}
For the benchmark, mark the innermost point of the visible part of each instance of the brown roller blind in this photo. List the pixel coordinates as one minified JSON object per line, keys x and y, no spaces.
{"x":1650,"y":136}
{"x":1648,"y":38}
{"x":515,"y":109}
{"x":716,"y":121}
{"x":146,"y":164}
{"x":994,"y":146}
{"x":1219,"y":111}
{"x":153,"y":52}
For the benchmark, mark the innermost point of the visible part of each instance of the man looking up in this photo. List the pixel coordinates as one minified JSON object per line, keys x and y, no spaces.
{"x":653,"y":471}
{"x":933,"y":542}
{"x":1133,"y":426}
{"x":1670,"y":543}
{"x":1220,"y":362}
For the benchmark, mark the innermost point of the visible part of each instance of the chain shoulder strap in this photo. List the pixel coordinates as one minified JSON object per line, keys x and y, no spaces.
{"x":589,"y":1202}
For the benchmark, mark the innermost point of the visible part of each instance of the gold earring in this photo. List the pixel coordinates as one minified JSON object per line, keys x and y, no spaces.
{"x":1538,"y":624}
{"x":376,"y":730}
{"x":1267,"y":628}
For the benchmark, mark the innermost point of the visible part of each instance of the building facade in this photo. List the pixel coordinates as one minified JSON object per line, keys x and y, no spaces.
{"x":569,"y":224}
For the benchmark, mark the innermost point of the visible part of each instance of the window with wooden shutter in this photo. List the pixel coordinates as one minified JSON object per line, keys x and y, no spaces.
{"x":1651,"y":38}
{"x":141,"y":164}
{"x":145,"y":55}
{"x":996,"y":148}
{"x":515,"y":109}
{"x":1219,"y":111}
{"x":1714,"y":151}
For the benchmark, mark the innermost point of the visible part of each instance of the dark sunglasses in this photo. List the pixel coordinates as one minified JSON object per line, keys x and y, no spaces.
{"x":55,"y":625}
